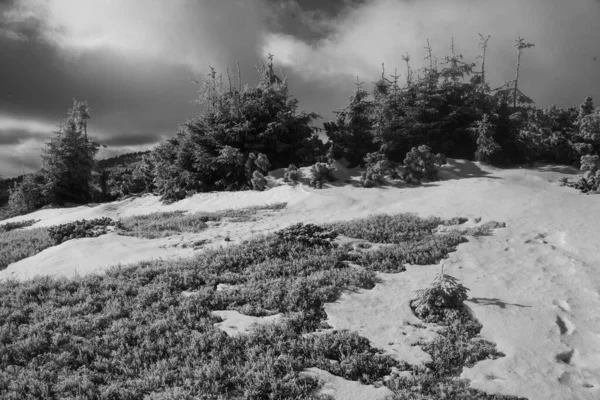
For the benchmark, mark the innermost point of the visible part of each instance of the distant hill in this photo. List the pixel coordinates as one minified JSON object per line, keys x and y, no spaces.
{"x":123,"y":160}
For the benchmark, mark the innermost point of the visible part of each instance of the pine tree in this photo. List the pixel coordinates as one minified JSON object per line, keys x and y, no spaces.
{"x":352,"y":132}
{"x":486,"y":145}
{"x":68,"y":159}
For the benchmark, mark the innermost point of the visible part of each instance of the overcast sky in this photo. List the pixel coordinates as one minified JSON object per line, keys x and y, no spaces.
{"x":133,"y":60}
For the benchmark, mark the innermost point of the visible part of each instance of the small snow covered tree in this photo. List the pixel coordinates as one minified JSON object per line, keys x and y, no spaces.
{"x":320,"y":173}
{"x":421,"y":163}
{"x":292,"y":175}
{"x":486,"y":144}
{"x":258,"y":181}
{"x":441,"y":301}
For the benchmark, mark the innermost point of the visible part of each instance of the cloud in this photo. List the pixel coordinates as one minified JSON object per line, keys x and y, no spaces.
{"x":15,"y":130}
{"x":182,"y":32}
{"x":381,"y":31}
{"x":18,"y":158}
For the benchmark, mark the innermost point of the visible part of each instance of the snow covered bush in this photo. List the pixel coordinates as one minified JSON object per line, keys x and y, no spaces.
{"x":319,"y":173}
{"x":378,"y":166}
{"x":421,"y":163}
{"x":262,"y":163}
{"x":590,"y":181}
{"x":258,"y":181}
{"x":292,"y":175}
{"x":440,"y":301}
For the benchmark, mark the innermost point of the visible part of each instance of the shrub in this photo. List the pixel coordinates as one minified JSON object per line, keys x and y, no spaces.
{"x":262,"y":163}
{"x":258,"y":181}
{"x":384,"y":228}
{"x":9,"y":226}
{"x":164,"y":224}
{"x":80,"y":229}
{"x":309,"y":235}
{"x":321,"y":172}
{"x":458,"y":346}
{"x":378,"y":166}
{"x":292,"y":175}
{"x":590,"y":182}
{"x":590,"y":164}
{"x":440,"y":301}
{"x":130,"y":333}
{"x":421,"y":163}
{"x":17,"y":244}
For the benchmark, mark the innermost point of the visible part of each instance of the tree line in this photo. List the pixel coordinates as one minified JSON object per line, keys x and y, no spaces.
{"x":243,"y":131}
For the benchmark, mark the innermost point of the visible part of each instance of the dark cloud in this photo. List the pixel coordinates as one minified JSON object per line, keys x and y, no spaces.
{"x":17,"y":136}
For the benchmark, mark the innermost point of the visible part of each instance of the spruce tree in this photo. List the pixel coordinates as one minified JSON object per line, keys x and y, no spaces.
{"x":486,"y":144}
{"x":352,"y":131}
{"x":68,"y":159}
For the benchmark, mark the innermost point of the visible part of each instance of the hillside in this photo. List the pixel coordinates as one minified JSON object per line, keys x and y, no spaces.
{"x":533,"y":284}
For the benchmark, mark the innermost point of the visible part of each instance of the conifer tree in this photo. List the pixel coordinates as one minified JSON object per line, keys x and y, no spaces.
{"x":352,"y":132}
{"x":68,"y":159}
{"x":486,"y":145}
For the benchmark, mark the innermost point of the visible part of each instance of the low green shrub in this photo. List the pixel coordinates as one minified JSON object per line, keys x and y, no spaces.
{"x":18,"y":244}
{"x":424,"y":251}
{"x":131,"y":334}
{"x":80,"y":229}
{"x":9,"y":226}
{"x":384,"y":228}
{"x":309,"y":234}
{"x":458,"y":345}
{"x":170,"y":223}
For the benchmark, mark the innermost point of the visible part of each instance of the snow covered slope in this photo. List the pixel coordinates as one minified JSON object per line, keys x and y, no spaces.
{"x":535,"y":285}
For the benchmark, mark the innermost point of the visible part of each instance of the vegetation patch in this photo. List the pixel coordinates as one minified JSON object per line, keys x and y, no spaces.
{"x":171,"y":223}
{"x":18,"y":244}
{"x":458,"y":345}
{"x":80,"y":229}
{"x":9,"y":226}
{"x":130,"y":334}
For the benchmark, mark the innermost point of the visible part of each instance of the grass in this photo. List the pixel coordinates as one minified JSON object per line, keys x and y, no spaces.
{"x":18,"y":244}
{"x":130,"y":334}
{"x":165,"y":224}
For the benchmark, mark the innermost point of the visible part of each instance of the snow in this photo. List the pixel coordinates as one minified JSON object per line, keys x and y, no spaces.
{"x":340,"y":388}
{"x":534,"y":285}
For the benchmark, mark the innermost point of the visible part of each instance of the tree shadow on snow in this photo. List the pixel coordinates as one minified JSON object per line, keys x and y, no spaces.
{"x":463,"y":169}
{"x":494,"y":302}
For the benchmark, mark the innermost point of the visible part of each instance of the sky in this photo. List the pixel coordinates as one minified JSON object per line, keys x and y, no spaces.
{"x":133,"y":60}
